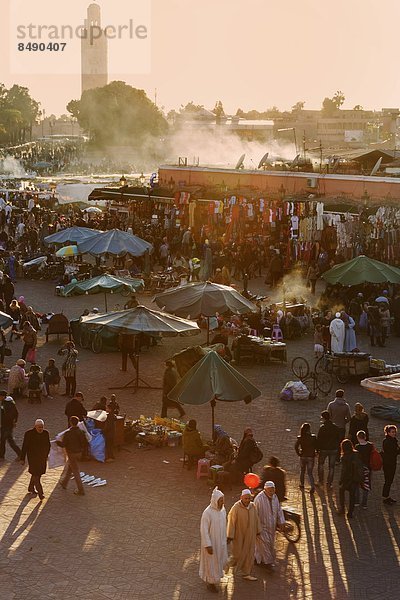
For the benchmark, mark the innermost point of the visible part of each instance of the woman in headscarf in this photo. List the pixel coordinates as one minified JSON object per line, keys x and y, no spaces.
{"x":214,"y":552}
{"x":29,"y":337}
{"x":223,"y":446}
{"x":350,"y":341}
{"x":249,"y":453}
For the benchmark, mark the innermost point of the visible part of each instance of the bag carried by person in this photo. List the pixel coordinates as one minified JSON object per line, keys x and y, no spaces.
{"x":7,"y":351}
{"x":31,"y":355}
{"x":375,"y":460}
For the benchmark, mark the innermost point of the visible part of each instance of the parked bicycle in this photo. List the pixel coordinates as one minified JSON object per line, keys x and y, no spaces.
{"x":321,"y":380}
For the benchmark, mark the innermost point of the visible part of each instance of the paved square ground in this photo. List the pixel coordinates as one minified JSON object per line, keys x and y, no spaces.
{"x":138,"y":536}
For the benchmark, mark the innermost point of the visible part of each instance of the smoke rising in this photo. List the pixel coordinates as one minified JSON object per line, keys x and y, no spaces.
{"x":223,"y":149}
{"x":12,"y":167}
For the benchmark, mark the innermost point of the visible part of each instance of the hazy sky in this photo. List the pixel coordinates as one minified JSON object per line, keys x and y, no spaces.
{"x":247,"y":53}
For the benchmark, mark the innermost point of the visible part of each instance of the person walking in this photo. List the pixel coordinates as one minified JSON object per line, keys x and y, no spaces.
{"x":68,"y":367}
{"x":36,"y":448}
{"x":351,"y":476}
{"x":214,"y":551}
{"x":306,"y":446}
{"x":328,"y":442}
{"x":271,"y":518}
{"x":385,"y":321}
{"x":74,"y":442}
{"x":29,"y":337}
{"x":273,"y":472}
{"x":243,"y":528}
{"x":339,"y":412}
{"x":358,"y":422}
{"x":390,"y":452}
{"x":170,"y":380}
{"x":364,"y":448}
{"x":8,"y":421}
{"x":312,"y":276}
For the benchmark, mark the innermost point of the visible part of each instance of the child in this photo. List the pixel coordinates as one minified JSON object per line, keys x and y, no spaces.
{"x":318,"y":341}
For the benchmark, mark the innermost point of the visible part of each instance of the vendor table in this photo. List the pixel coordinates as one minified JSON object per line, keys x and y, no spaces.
{"x":260,"y":350}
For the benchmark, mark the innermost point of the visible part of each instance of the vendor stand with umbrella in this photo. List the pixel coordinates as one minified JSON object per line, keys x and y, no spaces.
{"x":141,"y":320}
{"x":213,"y":380}
{"x":71,"y":235}
{"x":116,"y":243}
{"x":362,"y":269}
{"x":203,"y":298}
{"x":104,"y":283}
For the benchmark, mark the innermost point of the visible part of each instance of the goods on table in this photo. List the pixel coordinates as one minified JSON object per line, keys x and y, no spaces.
{"x":154,"y":432}
{"x":379,"y":365}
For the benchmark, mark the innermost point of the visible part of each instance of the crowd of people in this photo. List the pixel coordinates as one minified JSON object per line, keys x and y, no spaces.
{"x":36,"y":442}
{"x":246,"y":536}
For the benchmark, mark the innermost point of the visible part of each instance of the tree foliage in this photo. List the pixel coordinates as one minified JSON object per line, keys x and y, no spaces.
{"x":18,"y":112}
{"x":219,"y":109}
{"x":298,"y":106}
{"x":118,"y":114}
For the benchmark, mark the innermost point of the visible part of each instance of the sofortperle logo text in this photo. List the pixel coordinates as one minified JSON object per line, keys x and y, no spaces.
{"x":68,"y":38}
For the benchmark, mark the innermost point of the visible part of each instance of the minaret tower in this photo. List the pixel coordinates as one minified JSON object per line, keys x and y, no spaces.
{"x":93,"y":52}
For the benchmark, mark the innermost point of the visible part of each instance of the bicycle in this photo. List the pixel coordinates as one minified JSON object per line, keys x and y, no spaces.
{"x":327,"y":364}
{"x":322,"y":381}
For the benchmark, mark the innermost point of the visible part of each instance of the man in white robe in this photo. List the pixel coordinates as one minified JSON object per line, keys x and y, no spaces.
{"x":271,"y":517}
{"x":214,"y":552}
{"x":337,"y":330}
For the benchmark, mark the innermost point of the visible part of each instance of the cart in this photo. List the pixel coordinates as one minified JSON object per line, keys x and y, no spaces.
{"x":344,"y":365}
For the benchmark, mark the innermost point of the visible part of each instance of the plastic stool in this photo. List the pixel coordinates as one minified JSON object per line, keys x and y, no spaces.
{"x":203,"y":467}
{"x":276,"y":334}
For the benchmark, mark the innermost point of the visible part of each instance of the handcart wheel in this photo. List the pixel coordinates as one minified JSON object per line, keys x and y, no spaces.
{"x":97,"y":343}
{"x":323,"y":382}
{"x":300,"y":367}
{"x":291,"y":531}
{"x":342,"y":375}
{"x":85,"y":338}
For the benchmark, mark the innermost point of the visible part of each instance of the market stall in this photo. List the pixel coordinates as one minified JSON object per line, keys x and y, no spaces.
{"x":204,"y":299}
{"x":210,"y":380}
{"x":258,"y":349}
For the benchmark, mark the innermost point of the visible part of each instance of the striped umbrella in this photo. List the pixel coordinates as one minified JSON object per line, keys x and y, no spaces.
{"x":67,"y":251}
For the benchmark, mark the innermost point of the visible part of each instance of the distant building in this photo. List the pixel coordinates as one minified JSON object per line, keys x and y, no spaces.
{"x":344,"y":128}
{"x":94,"y":56}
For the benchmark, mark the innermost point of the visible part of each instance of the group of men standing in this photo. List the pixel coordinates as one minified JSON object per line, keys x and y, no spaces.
{"x":250,"y":528}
